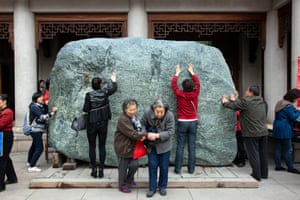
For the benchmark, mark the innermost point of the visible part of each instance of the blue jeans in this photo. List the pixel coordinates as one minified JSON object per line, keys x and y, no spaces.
{"x":36,"y":149}
{"x":284,"y":145}
{"x":186,"y":131}
{"x":154,"y":161}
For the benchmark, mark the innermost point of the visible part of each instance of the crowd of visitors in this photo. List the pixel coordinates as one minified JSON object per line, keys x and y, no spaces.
{"x":156,"y":129}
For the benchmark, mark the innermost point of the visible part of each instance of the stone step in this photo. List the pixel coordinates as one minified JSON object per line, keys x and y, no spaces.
{"x":204,"y":177}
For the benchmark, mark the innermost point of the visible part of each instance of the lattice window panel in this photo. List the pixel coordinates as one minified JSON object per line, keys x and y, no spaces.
{"x":4,"y":31}
{"x":50,"y":30}
{"x":162,"y":30}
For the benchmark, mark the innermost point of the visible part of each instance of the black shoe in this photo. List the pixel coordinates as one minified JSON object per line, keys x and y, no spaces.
{"x":295,"y":171}
{"x":163,"y":192}
{"x":150,"y":194}
{"x":258,"y":179}
{"x":176,"y":172}
{"x":280,"y":168}
{"x":191,"y":171}
{"x":2,"y":188}
{"x":241,"y":164}
{"x":11,"y":181}
{"x":101,"y":173}
{"x":94,"y":172}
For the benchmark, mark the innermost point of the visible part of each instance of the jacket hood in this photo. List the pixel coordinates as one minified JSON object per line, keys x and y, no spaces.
{"x":282,"y":104}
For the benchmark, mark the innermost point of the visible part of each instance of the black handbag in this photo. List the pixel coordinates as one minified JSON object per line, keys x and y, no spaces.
{"x":79,"y":122}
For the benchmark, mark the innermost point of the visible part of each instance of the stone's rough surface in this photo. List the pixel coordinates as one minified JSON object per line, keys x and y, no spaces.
{"x":144,"y":69}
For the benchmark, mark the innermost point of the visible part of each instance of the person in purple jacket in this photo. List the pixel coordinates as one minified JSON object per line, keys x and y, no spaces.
{"x":285,"y":116}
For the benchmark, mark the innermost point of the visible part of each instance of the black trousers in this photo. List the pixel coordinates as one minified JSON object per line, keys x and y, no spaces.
{"x":241,"y":152}
{"x":97,"y":129}
{"x":6,"y":164}
{"x":127,"y":168}
{"x":257,"y":152}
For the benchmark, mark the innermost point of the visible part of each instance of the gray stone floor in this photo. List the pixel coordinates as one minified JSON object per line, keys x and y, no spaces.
{"x":280,"y":185}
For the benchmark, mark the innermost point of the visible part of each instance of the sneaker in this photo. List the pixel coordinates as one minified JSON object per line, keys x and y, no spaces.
{"x":150,"y":194}
{"x":131,"y":183}
{"x":34,"y":169}
{"x":28,"y":164}
{"x":163,"y":192}
{"x":125,"y":190}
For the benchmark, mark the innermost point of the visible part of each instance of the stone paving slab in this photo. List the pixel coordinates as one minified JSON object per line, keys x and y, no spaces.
{"x":204,"y":177}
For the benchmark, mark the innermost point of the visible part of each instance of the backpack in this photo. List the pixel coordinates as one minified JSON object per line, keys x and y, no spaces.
{"x":27,"y":126}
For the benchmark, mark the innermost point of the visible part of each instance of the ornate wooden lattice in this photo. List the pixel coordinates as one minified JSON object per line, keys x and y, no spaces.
{"x":4,"y":31}
{"x":162,"y":30}
{"x":48,"y":30}
{"x":82,"y":25}
{"x":6,"y":28}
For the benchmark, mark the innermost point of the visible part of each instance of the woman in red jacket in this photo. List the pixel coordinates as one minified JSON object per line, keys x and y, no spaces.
{"x":187,"y":106}
{"x":6,"y":125}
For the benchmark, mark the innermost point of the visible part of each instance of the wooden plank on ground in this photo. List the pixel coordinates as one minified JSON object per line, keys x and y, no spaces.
{"x":225,"y":172}
{"x":204,"y":177}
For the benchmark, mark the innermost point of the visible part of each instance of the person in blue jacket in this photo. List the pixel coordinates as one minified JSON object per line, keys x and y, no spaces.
{"x":285,"y":115}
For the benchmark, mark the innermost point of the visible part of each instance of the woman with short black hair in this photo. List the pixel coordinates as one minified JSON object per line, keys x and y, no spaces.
{"x":38,"y":113}
{"x":96,"y":104}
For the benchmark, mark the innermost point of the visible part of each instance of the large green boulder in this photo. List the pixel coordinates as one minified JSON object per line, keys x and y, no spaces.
{"x":144,"y":69}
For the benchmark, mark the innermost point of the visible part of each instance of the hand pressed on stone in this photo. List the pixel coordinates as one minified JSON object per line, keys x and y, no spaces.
{"x":177,"y":70}
{"x":191,"y":68}
{"x":224,"y":99}
{"x":113,"y":77}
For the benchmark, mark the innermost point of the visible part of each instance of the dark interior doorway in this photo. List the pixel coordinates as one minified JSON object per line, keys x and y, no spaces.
{"x":7,"y":71}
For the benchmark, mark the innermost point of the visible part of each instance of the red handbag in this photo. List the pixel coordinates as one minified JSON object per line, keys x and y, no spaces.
{"x":139,"y":150}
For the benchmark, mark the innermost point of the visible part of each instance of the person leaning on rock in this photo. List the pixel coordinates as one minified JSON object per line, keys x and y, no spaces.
{"x":187,"y":112}
{"x":96,"y":104}
{"x":253,"y":120}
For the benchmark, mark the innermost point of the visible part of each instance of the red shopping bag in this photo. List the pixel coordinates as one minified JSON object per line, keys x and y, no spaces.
{"x":139,"y":150}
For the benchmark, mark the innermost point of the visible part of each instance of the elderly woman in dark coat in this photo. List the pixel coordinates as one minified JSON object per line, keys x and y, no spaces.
{"x":127,"y":132}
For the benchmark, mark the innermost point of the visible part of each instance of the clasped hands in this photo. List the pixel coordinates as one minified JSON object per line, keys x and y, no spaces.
{"x":151,"y":136}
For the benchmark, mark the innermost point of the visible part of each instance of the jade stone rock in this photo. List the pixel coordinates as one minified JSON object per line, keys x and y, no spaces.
{"x":144,"y":69}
